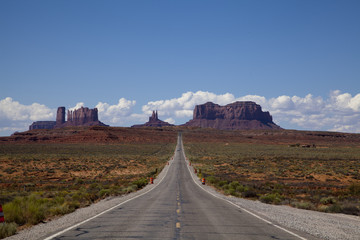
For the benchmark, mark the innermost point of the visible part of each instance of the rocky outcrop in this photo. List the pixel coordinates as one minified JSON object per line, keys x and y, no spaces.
{"x":83,"y":117}
{"x":237,"y":115}
{"x":60,"y":116}
{"x":42,"y":125}
{"x":79,"y":117}
{"x":154,"y":121}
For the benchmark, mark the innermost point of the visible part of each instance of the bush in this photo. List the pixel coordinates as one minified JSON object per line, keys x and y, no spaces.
{"x":334,"y":208}
{"x":234,"y":185}
{"x":350,"y":208}
{"x":354,"y":189}
{"x":29,"y":209}
{"x":327,"y":200}
{"x":104,"y":193}
{"x":60,"y":210}
{"x":222,"y":183}
{"x":211,"y":180}
{"x":273,"y":198}
{"x":250,"y":193}
{"x":7,"y":229}
{"x":304,"y":205}
{"x":141,"y":183}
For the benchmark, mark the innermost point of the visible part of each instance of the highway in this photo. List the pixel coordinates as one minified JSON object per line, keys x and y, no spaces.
{"x":178,"y":209}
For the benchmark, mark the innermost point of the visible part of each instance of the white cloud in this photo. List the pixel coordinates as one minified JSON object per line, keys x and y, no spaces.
{"x":254,"y":98}
{"x":184,"y":105}
{"x":14,"y":111}
{"x":170,"y":120}
{"x":15,"y":116}
{"x":77,"y":106}
{"x":339,"y":112}
{"x":118,"y":113}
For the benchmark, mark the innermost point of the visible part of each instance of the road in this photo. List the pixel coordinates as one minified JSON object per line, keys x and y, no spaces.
{"x":178,"y":209}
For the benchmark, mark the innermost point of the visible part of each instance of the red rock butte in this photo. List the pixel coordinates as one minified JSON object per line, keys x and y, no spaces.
{"x":154,"y":121}
{"x":234,"y":116}
{"x":79,"y":117}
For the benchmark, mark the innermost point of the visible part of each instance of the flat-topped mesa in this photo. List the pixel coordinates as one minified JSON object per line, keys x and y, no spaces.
{"x":237,"y":115}
{"x":79,"y":117}
{"x":82,"y":116}
{"x":154,"y":121}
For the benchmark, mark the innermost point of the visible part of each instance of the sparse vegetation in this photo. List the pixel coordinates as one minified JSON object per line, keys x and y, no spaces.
{"x":324,"y":178}
{"x":40,"y":181}
{"x":7,"y":229}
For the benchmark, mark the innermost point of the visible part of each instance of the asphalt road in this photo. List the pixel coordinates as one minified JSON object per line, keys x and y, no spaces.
{"x":177,"y":209}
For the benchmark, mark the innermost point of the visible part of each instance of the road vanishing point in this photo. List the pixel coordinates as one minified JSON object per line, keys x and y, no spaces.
{"x":178,"y":208}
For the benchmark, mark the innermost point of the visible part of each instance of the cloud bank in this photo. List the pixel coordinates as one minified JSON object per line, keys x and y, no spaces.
{"x":338,"y":112}
{"x":15,"y":116}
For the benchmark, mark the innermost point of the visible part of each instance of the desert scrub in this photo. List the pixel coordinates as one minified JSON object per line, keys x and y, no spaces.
{"x":39,"y":206}
{"x":26,"y":210}
{"x":324,"y":179}
{"x":273,"y":198}
{"x":304,"y":205}
{"x":7,"y":229}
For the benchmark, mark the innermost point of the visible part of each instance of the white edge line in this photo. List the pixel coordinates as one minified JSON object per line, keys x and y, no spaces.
{"x":243,"y":209}
{"x":99,"y":214}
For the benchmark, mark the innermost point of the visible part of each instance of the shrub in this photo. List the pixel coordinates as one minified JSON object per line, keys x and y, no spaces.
{"x":234,"y":185}
{"x":354,"y":189}
{"x":327,"y":200}
{"x":211,"y":180}
{"x":274,"y":198}
{"x":334,"y":208}
{"x":60,"y":209}
{"x":29,"y":209}
{"x":130,"y":189}
{"x":141,"y":183}
{"x":222,"y":183}
{"x":13,"y":211}
{"x":250,"y":193}
{"x":350,"y":208}
{"x":104,"y":193}
{"x":7,"y":229}
{"x":304,"y":205}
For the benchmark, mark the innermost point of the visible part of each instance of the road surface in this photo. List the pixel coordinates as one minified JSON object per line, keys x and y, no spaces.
{"x":178,"y":209}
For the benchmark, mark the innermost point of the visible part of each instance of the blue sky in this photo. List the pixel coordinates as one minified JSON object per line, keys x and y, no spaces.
{"x":127,"y":57}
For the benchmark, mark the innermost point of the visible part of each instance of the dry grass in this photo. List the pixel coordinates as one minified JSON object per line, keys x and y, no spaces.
{"x":282,"y":173}
{"x":39,"y":181}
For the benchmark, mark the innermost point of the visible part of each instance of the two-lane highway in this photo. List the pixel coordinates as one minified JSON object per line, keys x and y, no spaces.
{"x":177,"y":209}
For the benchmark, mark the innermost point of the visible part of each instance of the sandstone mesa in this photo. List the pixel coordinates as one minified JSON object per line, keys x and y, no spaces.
{"x":235,"y":116}
{"x":79,"y":117}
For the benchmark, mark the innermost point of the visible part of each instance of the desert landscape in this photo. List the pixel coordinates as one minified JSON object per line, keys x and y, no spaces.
{"x":47,"y":173}
{"x":308,"y":170}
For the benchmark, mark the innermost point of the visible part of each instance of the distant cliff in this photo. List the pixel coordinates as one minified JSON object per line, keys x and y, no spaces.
{"x":237,"y":115}
{"x":154,"y":121}
{"x":79,"y":117}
